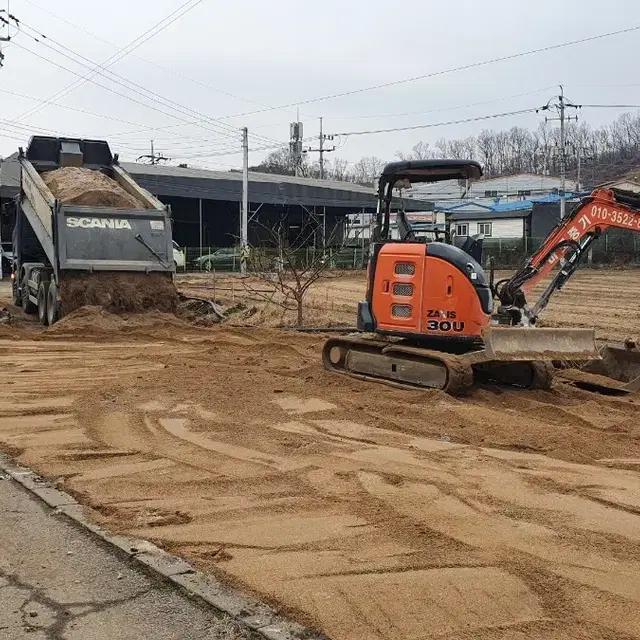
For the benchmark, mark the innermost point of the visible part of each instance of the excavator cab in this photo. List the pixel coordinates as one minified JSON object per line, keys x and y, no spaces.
{"x":432,"y":290}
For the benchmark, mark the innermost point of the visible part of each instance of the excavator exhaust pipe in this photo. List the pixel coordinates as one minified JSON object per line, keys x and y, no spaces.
{"x":534,"y":344}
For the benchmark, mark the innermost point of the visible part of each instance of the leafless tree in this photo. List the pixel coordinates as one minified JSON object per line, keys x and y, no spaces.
{"x":366,"y":170}
{"x":419,"y":151}
{"x":291,"y":259}
{"x":607,"y":152}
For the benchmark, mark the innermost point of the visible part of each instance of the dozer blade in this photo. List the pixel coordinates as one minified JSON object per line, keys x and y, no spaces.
{"x":534,"y":344}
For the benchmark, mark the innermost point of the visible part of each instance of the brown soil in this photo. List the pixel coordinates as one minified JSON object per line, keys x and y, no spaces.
{"x":81,"y":186}
{"x":119,"y":292}
{"x":370,"y":512}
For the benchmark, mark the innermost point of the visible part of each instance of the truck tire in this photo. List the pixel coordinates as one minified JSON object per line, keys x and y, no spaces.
{"x":27,"y":305}
{"x":53,"y":306}
{"x":43,"y":297}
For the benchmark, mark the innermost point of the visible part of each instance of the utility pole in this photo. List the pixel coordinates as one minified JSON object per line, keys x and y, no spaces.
{"x":6,"y":20}
{"x":244,"y":244}
{"x":153,"y":158}
{"x":561,"y":107}
{"x":321,"y":149}
{"x":321,"y":152}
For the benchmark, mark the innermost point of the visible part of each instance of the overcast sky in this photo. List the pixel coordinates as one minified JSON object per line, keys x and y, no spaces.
{"x":267,"y":54}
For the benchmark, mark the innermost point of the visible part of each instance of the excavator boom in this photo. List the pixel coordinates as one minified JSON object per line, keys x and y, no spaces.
{"x":564,"y":248}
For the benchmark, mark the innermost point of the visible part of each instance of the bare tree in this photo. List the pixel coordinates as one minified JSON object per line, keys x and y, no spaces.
{"x":337,"y":170}
{"x":280,"y":161}
{"x":291,"y":260}
{"x":419,"y":151}
{"x":366,"y":170}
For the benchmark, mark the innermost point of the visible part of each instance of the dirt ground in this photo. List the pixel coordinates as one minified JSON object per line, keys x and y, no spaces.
{"x":368,"y":512}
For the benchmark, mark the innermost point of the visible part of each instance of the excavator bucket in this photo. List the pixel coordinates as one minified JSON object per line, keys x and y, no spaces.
{"x":621,"y":364}
{"x":534,"y":344}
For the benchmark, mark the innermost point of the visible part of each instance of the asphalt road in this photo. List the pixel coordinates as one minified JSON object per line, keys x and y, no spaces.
{"x":58,"y":582}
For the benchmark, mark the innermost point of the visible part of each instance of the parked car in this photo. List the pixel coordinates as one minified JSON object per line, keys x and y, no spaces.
{"x":225,"y":259}
{"x":178,"y":256}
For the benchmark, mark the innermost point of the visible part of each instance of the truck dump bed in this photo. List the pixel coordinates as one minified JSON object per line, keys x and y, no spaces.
{"x":92,"y":238}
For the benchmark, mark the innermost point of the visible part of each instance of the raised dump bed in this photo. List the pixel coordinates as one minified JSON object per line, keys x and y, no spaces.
{"x":80,"y":217}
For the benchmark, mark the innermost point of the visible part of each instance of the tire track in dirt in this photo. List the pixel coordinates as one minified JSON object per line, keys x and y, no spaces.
{"x":351,"y":505}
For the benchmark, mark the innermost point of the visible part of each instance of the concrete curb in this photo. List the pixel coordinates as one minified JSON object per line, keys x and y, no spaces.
{"x":244,"y":609}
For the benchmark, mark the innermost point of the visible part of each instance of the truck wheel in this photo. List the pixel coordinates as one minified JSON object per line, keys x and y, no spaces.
{"x":27,"y":305}
{"x":43,"y":295}
{"x":53,"y":306}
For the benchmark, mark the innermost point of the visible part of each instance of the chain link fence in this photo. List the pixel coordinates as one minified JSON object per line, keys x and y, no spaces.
{"x":227,"y":259}
{"x":611,"y":249}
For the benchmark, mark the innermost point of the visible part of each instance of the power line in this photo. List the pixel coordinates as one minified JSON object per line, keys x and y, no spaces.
{"x":437,"y":124}
{"x":224,"y":129}
{"x":134,"y":44}
{"x":391,"y":130}
{"x":472,"y":65}
{"x":130,"y":98}
{"x":118,"y":80}
{"x":611,"y":106}
{"x":174,"y":136}
{"x":445,"y":109}
{"x":155,"y":64}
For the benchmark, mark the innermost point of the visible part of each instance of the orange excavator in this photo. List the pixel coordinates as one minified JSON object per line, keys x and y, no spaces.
{"x":431,"y":304}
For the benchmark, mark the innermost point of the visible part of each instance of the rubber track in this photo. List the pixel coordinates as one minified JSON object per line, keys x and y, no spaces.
{"x":459,"y":374}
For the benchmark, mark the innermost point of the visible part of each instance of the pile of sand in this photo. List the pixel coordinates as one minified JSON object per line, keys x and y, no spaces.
{"x":91,"y":321}
{"x":119,"y":292}
{"x":76,"y":185}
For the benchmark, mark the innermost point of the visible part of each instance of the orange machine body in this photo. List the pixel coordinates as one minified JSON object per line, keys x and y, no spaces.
{"x":428,"y":290}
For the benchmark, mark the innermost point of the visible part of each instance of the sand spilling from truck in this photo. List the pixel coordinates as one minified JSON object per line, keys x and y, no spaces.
{"x":86,"y":187}
{"x":120,"y":292}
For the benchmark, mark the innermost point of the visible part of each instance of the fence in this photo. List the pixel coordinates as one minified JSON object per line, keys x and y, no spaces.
{"x":613,"y":248}
{"x":228,"y":258}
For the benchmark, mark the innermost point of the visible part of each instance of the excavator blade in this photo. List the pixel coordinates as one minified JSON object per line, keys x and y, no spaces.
{"x":535,"y":344}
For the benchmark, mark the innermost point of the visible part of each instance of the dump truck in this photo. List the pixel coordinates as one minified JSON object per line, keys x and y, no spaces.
{"x":59,"y":243}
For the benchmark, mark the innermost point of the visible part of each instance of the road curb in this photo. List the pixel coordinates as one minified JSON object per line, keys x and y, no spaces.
{"x":247,"y":611}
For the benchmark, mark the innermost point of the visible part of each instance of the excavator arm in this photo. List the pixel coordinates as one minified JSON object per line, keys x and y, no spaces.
{"x":564,"y":248}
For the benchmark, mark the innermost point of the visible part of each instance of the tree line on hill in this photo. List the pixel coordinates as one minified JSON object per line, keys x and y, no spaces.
{"x":603,"y":153}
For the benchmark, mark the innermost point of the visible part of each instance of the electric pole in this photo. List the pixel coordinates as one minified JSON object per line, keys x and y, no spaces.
{"x":244,"y":216}
{"x":153,"y":158}
{"x":6,"y":20}
{"x":561,"y":107}
{"x":321,"y":149}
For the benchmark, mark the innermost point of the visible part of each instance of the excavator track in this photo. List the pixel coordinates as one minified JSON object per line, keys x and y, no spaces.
{"x":397,"y":365}
{"x":410,"y":367}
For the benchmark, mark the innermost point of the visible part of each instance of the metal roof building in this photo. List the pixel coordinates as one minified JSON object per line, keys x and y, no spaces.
{"x":265,"y":188}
